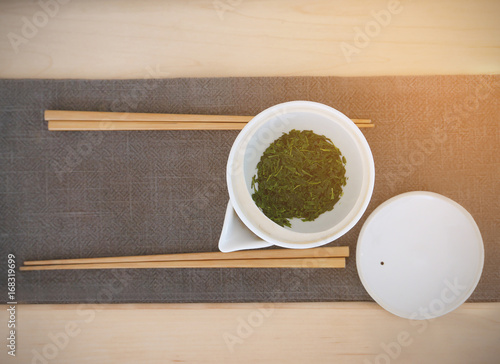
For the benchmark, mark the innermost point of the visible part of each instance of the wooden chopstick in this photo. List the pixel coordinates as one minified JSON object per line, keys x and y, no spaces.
{"x":327,"y":252}
{"x":135,"y":116}
{"x":61,"y":120}
{"x":227,"y":263}
{"x":86,"y":125}
{"x":83,"y":125}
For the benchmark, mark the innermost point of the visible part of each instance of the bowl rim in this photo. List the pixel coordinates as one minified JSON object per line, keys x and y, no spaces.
{"x":310,"y":240}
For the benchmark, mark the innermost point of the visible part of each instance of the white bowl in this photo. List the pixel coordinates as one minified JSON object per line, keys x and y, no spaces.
{"x":269,"y":125}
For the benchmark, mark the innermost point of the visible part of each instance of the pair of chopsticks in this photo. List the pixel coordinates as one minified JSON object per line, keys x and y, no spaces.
{"x":330,"y":257}
{"x":94,"y":120}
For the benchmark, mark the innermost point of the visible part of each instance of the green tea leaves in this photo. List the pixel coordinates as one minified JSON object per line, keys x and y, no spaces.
{"x":301,"y":174}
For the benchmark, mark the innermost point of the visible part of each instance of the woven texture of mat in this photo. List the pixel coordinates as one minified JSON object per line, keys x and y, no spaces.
{"x":113,"y":193}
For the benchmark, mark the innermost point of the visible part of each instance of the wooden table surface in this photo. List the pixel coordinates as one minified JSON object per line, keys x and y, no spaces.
{"x":209,"y":38}
{"x":157,"y":39}
{"x":340,"y":332}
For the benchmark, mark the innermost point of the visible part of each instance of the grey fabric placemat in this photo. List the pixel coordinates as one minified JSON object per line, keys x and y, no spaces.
{"x":92,"y":194}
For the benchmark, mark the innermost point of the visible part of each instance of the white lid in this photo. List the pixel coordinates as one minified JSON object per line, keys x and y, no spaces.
{"x":420,"y":255}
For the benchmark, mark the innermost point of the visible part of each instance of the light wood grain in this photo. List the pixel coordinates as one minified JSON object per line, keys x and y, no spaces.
{"x":340,"y":332}
{"x":333,"y":251}
{"x":86,"y":125}
{"x":67,"y":115}
{"x":63,"y":120}
{"x":226,"y":263}
{"x":162,"y":39}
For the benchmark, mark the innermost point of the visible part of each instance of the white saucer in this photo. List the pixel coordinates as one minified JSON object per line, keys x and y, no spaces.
{"x":420,"y":255}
